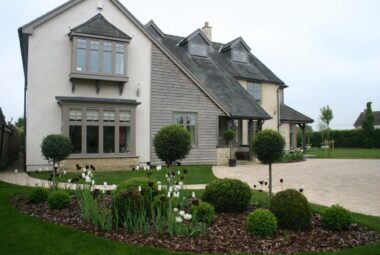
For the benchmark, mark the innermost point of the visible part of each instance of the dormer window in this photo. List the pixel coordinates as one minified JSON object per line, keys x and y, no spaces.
{"x":198,"y":50}
{"x":239,"y":56}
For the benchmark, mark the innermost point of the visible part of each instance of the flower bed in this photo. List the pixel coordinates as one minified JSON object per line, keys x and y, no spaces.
{"x":228,"y":233}
{"x":290,"y":156}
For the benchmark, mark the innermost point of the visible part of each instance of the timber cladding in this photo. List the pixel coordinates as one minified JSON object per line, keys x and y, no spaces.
{"x":173,"y":92}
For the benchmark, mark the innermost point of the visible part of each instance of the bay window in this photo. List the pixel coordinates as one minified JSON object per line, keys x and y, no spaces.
{"x":100,"y":130}
{"x":96,"y":56}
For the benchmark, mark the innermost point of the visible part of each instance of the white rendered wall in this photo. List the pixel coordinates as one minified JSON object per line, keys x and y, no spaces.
{"x":48,"y":76}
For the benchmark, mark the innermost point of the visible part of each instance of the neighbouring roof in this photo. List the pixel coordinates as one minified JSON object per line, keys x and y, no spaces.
{"x":96,"y":100}
{"x":98,"y":25}
{"x":2,"y":118}
{"x":359,"y":120}
{"x":288,"y":114}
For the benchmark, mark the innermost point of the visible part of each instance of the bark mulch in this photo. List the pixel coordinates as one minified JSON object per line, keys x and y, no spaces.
{"x":227,"y":234}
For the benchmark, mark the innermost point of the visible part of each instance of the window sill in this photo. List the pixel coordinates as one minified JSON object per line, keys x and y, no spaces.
{"x":104,"y":155}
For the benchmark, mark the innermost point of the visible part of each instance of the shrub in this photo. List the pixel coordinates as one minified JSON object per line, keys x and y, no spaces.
{"x":56,"y":147}
{"x":59,"y":199}
{"x":38,"y":195}
{"x":172,"y":143}
{"x":227,"y":195}
{"x":292,"y":210}
{"x":203,"y":212}
{"x":336,"y":218}
{"x":262,"y":222}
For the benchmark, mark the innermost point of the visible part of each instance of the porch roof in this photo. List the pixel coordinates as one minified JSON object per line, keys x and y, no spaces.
{"x":288,"y":114}
{"x":96,"y":100}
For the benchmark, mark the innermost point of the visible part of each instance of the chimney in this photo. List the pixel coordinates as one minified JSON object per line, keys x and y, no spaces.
{"x":207,"y":30}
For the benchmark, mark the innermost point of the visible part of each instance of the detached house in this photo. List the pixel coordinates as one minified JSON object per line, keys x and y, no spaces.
{"x":93,"y":72}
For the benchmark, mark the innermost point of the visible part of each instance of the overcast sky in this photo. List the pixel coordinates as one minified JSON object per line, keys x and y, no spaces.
{"x":328,"y":52}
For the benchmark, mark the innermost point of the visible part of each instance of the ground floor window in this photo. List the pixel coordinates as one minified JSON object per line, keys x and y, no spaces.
{"x":189,"y":122}
{"x":98,"y":130}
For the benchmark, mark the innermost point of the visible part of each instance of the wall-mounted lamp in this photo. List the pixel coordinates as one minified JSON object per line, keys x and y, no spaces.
{"x":138,"y":90}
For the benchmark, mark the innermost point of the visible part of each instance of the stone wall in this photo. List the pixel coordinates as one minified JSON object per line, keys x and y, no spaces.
{"x":102,"y":164}
{"x":223,"y":155}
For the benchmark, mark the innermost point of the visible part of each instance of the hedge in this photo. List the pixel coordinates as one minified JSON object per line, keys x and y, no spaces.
{"x":345,"y":138}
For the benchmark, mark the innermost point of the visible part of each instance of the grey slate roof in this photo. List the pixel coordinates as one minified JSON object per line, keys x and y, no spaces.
{"x":218,"y":74}
{"x":98,"y":25}
{"x":96,"y":100}
{"x":359,"y":120}
{"x":233,"y":43}
{"x":288,"y":114}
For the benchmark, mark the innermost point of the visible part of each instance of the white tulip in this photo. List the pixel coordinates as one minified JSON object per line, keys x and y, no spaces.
{"x":159,"y":187}
{"x":169,"y":194}
{"x":148,"y":168}
{"x":16,"y":171}
{"x":159,"y":168}
{"x":105,"y":183}
{"x":88,"y":179}
{"x":187,"y":216}
{"x":193,"y":195}
{"x":144,"y":168}
{"x":178,"y":219}
{"x":179,"y":172}
{"x":84,"y":169}
{"x":175,"y":210}
{"x":182,"y":213}
{"x":64,"y":172}
{"x":83,"y":176}
{"x":139,"y":188}
{"x":170,"y":189}
{"x":93,"y":182}
{"x":137,"y":168}
{"x":69,"y":180}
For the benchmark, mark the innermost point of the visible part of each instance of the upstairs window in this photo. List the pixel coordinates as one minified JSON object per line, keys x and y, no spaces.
{"x":254,"y":89}
{"x":189,"y":122}
{"x":239,"y":56}
{"x":198,"y":50}
{"x":99,"y":57}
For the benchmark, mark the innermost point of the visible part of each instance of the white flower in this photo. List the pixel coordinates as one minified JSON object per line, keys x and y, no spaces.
{"x":176,"y":194}
{"x":158,"y":183}
{"x":182,"y":213}
{"x":175,"y":210}
{"x":16,"y":171}
{"x":84,"y":169}
{"x":64,"y":172}
{"x":56,"y":165}
{"x":193,"y":195}
{"x":187,"y":216}
{"x":148,"y":168}
{"x":166,"y":176}
{"x":93,"y":182}
{"x":159,"y":187}
{"x":69,"y":180}
{"x":137,"y":167}
{"x":105,"y":183}
{"x":144,"y":168}
{"x":114,"y":186}
{"x":169,"y":194}
{"x":178,"y":219}
{"x":83,"y":175}
{"x":39,"y":170}
{"x":179,"y":172}
{"x":88,"y":179}
{"x":170,"y":189}
{"x":177,"y":187}
{"x":159,"y":168}
{"x":180,"y":184}
{"x":139,"y":188}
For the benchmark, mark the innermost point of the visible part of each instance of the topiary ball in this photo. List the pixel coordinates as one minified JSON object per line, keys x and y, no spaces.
{"x":228,"y":195}
{"x":59,"y":200}
{"x":336,"y":218}
{"x":203,"y":212}
{"x":291,"y":209}
{"x":262,"y":222}
{"x":38,"y":195}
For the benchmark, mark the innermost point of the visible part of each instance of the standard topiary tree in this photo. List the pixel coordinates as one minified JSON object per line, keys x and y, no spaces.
{"x":368,"y":126}
{"x":268,"y":146}
{"x":172,"y":143}
{"x":56,"y":148}
{"x":228,"y":136}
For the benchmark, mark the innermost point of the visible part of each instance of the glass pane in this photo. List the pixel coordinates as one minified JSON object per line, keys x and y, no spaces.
{"x":198,"y":50}
{"x":75,"y":134}
{"x":75,"y":115}
{"x":109,"y":139}
{"x":190,"y":119}
{"x":191,"y":130}
{"x":124,"y":116}
{"x":81,"y":60}
{"x":81,"y":44}
{"x":109,"y":116}
{"x":120,"y":48}
{"x":94,"y":61}
{"x":92,"y":115}
{"x":92,"y":139}
{"x":119,"y":65}
{"x":239,"y":56}
{"x":95,"y":45}
{"x":179,"y":119}
{"x":124,"y":138}
{"x":107,"y":46}
{"x":107,"y":62}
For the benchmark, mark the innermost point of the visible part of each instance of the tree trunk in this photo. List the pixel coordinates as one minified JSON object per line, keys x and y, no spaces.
{"x":53,"y":174}
{"x":270,"y":181}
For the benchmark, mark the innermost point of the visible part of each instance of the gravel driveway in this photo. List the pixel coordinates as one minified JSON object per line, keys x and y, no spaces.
{"x":352,"y":183}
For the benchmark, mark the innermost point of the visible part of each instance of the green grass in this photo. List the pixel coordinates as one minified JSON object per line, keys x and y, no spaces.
{"x":195,"y":175}
{"x":346,"y":153}
{"x":24,"y":235}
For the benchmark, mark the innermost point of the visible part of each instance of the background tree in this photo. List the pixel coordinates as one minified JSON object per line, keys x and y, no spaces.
{"x":268,"y":146}
{"x":368,"y":125}
{"x":172,"y":143}
{"x":228,"y":136}
{"x":20,"y":124}
{"x":326,"y":117}
{"x":56,"y":148}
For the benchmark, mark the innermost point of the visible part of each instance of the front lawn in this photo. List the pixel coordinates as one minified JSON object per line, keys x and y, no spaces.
{"x":346,"y":153}
{"x":195,"y":175}
{"x":22,"y":234}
